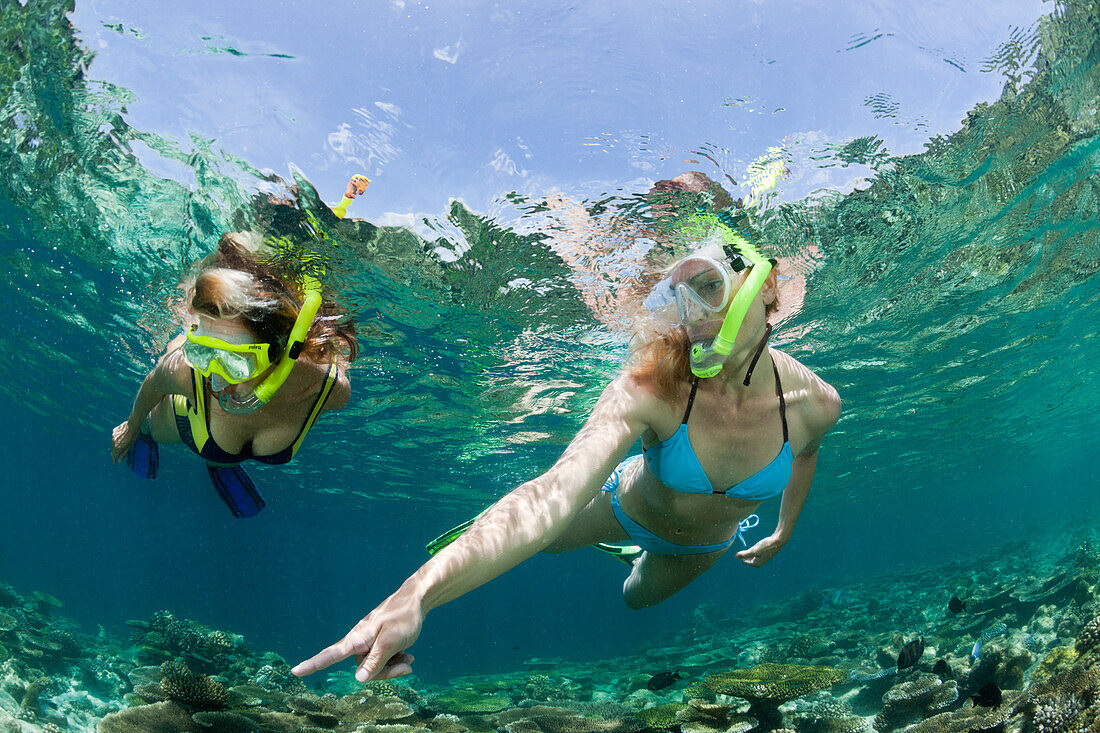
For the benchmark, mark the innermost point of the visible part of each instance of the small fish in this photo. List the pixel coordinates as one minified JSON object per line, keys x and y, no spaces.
{"x":977,"y":650}
{"x":910,"y":653}
{"x":661,"y":680}
{"x":942,"y":669}
{"x":988,"y":697}
{"x":837,"y":598}
{"x":955,"y":605}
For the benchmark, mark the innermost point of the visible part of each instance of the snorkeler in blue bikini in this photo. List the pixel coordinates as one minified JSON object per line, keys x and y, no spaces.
{"x":725,"y":422}
{"x":263,"y":358}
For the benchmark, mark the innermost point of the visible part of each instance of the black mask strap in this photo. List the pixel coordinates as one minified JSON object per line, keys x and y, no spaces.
{"x":756,"y":356}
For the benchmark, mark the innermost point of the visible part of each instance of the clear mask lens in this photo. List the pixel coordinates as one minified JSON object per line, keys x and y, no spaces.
{"x":238,"y":367}
{"x":697,"y":288}
{"x":661,"y":302}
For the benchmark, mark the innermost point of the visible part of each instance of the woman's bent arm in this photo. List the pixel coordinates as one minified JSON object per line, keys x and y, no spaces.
{"x":167,"y":377}
{"x":822,"y":416}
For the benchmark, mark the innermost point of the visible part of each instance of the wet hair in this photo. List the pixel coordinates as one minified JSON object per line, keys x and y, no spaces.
{"x":236,"y":281}
{"x":660,"y":359}
{"x":693,"y":182}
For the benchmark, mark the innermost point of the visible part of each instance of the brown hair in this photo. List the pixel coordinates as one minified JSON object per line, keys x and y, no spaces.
{"x":235,"y":281}
{"x":694,"y":182}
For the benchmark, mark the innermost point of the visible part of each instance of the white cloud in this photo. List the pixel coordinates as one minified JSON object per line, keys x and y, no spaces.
{"x":393,"y":219}
{"x":448,"y":53}
{"x":391,"y":109}
{"x":503,"y":163}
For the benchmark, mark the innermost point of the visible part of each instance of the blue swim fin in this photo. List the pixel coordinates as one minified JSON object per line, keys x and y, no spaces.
{"x":236,"y":490}
{"x":143,"y":458}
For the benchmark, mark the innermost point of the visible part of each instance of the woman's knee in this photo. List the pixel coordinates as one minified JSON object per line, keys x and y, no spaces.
{"x":637,"y":601}
{"x":656,"y":578}
{"x":638,"y":593}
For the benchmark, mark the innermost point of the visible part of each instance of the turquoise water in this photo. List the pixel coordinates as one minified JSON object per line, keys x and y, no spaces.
{"x":951,"y":297}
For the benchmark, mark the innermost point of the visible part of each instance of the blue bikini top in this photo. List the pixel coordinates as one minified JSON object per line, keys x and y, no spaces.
{"x":675,"y":464}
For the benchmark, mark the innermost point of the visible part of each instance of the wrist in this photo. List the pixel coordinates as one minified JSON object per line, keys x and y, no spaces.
{"x":417,"y":593}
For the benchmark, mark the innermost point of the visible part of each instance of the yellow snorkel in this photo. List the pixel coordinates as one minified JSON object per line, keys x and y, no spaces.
{"x":311,"y":288}
{"x":357,"y":185}
{"x":707,"y":359}
{"x":311,"y":303}
{"x":764,"y":173}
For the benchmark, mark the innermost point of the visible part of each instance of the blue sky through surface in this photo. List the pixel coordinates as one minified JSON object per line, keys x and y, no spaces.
{"x":471,"y":100}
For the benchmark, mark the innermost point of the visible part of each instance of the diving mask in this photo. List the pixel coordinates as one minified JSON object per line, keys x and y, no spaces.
{"x":212,"y":356}
{"x":232,"y":362}
{"x":699,"y":287}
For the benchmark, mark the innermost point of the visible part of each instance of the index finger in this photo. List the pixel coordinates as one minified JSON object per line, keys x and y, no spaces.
{"x":331,"y":655}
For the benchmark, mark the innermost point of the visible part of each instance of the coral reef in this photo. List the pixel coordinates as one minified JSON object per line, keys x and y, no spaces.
{"x":662,"y":716}
{"x":470,"y":701}
{"x":915,"y":700}
{"x":767,"y":686}
{"x":204,"y":679}
{"x":193,"y":691}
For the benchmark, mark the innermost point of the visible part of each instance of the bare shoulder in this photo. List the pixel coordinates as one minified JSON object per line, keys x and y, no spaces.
{"x":172,"y":374}
{"x":636,"y":402}
{"x":341,"y":391}
{"x":817,"y":401}
{"x":309,"y":380}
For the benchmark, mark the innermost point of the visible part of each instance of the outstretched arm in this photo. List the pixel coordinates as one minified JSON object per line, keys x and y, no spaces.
{"x":167,"y":377}
{"x":522,"y":523}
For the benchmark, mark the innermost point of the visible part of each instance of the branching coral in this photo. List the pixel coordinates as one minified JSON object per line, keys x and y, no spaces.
{"x":193,"y":691}
{"x":1089,"y":636}
{"x":661,"y":716}
{"x":1065,"y":703}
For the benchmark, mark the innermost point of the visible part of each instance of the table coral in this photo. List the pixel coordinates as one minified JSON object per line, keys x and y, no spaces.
{"x":915,"y":700}
{"x":468,"y":701}
{"x":767,"y":686}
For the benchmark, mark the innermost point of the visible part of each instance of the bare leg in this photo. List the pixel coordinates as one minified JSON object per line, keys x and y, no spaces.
{"x":657,"y":577}
{"x":595,"y":523}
